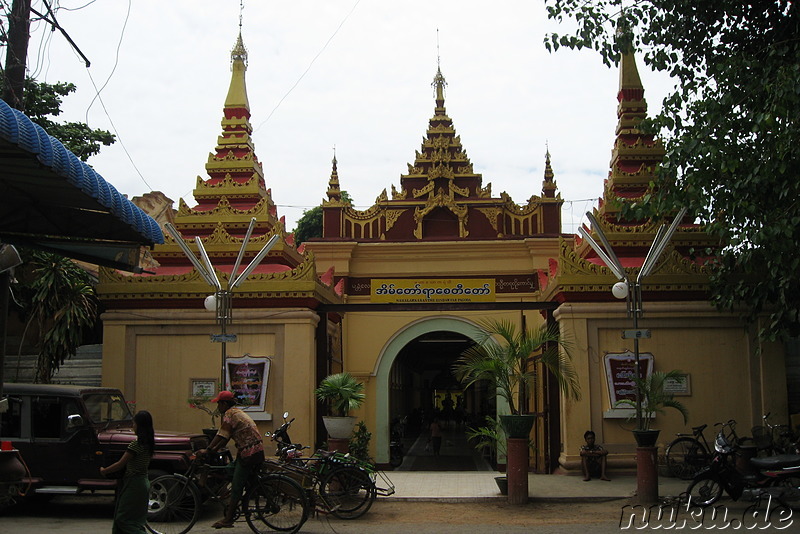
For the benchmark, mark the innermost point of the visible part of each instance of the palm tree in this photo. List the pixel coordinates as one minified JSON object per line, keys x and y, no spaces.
{"x":508,"y":357}
{"x":63,"y":305}
{"x":654,"y":398}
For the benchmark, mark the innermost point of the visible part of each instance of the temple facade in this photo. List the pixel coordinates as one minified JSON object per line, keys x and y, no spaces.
{"x":394,"y":294}
{"x":157,"y":334}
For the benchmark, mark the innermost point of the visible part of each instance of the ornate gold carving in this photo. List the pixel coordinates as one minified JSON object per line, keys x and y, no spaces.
{"x":463,"y":191}
{"x":441,"y":171}
{"x":440,"y":155}
{"x":391,"y":217}
{"x":416,"y":193}
{"x":491,"y":214}
{"x":398,"y":195}
{"x":413,"y":170}
{"x":356,"y":215}
{"x":445,"y":201}
{"x":465,"y":169}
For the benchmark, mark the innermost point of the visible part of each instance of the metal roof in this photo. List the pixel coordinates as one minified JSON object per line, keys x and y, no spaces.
{"x":50,"y":199}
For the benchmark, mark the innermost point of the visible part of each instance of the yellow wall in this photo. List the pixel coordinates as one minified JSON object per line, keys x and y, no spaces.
{"x":152,"y":355}
{"x":728,"y":376}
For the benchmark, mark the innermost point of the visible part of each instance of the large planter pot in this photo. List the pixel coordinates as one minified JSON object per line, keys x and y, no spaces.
{"x":518,"y":426}
{"x":210,"y":433}
{"x":646,"y":438}
{"x":339,"y":427}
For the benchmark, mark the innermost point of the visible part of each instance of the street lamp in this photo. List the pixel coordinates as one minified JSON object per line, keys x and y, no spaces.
{"x":221,"y":300}
{"x":631,"y":289}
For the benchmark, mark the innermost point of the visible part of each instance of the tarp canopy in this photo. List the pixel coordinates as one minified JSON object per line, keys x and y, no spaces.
{"x":51,"y":200}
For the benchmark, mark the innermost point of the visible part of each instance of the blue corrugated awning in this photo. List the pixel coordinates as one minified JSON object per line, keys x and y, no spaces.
{"x":51,"y":199}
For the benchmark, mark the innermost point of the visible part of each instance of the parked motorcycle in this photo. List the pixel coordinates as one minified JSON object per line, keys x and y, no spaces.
{"x":736,"y":475}
{"x":285,"y":449}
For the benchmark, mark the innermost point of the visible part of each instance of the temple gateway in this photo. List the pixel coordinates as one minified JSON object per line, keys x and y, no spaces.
{"x":393,"y":295}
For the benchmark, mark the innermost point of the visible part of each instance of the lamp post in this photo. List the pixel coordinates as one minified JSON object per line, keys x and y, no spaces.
{"x":631,"y":289}
{"x":222,"y":299}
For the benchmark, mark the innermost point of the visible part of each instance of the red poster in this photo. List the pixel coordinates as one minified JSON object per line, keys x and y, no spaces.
{"x":620,"y":368}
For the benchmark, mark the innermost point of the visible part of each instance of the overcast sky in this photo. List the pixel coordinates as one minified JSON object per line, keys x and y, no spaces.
{"x":354,"y":74}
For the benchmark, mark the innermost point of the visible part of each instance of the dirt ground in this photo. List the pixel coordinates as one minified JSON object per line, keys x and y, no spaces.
{"x":497,"y":513}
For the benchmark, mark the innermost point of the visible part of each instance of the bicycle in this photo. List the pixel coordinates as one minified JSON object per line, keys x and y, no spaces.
{"x":774,"y":439}
{"x":686,"y":455}
{"x":271,"y":501}
{"x":336,"y":483}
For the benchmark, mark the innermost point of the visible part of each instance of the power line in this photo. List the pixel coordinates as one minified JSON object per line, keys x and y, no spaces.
{"x":309,"y":65}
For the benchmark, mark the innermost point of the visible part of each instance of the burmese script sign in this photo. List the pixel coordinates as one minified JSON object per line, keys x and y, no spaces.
{"x":248,"y":377}
{"x":620,"y":368}
{"x":432,"y":290}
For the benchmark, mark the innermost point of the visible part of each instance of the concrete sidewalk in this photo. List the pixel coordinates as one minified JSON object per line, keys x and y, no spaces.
{"x":457,"y":486}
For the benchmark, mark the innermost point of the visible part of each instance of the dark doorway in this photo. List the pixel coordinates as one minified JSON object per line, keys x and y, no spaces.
{"x":423,"y":388}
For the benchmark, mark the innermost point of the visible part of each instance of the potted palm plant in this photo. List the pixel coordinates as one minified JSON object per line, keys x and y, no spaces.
{"x":654,"y":398}
{"x":343,"y":393}
{"x":490,"y":436}
{"x":507,"y":358}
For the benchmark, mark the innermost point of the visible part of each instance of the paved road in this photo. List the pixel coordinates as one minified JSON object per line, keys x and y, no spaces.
{"x":89,"y":515}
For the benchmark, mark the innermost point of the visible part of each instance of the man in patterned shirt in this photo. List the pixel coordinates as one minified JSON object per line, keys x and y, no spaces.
{"x":236,"y":425}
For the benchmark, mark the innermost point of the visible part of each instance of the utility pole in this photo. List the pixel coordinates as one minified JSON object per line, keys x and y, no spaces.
{"x":17,"y":53}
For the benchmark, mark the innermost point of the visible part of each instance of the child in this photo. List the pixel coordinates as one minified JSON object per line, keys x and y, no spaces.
{"x":593,"y":458}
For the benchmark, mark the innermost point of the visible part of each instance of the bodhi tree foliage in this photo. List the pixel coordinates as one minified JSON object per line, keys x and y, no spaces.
{"x":43,"y":101}
{"x":730,"y":129}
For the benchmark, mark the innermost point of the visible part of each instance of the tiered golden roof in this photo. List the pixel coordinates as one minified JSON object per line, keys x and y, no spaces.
{"x":442,"y":197}
{"x":233,"y":194}
{"x":635,"y":157}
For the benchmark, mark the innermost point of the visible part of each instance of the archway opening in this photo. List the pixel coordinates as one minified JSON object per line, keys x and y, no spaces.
{"x":423,"y":390}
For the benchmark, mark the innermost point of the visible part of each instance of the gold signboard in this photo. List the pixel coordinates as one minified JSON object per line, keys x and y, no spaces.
{"x":432,"y":290}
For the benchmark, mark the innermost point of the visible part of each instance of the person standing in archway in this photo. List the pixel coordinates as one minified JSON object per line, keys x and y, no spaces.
{"x":436,"y":436}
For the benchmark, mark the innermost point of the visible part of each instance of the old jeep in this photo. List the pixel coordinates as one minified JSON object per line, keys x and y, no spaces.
{"x":65,"y":434}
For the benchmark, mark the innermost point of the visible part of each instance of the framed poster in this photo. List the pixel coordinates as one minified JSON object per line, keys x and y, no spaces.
{"x":620,"y":367}
{"x":248,"y":377}
{"x":680,"y":386}
{"x":202,"y":388}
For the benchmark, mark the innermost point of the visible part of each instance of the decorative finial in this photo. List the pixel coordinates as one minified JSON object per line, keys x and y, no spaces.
{"x":241,"y":10}
{"x":438,"y":56}
{"x":439,"y":82}
{"x":334,"y":157}
{"x":239,"y":52}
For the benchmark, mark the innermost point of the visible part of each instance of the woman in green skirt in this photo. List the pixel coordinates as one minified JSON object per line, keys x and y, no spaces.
{"x":130,"y":511}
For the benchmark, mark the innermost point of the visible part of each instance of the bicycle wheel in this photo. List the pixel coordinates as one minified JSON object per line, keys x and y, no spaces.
{"x":173,"y":505}
{"x":275,"y":502}
{"x":705,"y":490}
{"x":348,"y":492}
{"x":685,"y":458}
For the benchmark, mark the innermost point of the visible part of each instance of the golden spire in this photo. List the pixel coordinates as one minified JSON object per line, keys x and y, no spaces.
{"x":548,"y":185}
{"x":334,"y":193}
{"x":237,"y":92}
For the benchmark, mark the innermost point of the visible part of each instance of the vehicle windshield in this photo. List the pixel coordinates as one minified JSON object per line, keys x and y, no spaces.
{"x":105,"y":407}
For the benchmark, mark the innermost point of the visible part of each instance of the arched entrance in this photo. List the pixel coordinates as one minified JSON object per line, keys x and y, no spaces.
{"x":415,"y":380}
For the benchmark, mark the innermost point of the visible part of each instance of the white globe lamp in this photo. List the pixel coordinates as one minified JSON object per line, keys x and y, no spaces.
{"x":211,"y":303}
{"x":619,"y":290}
